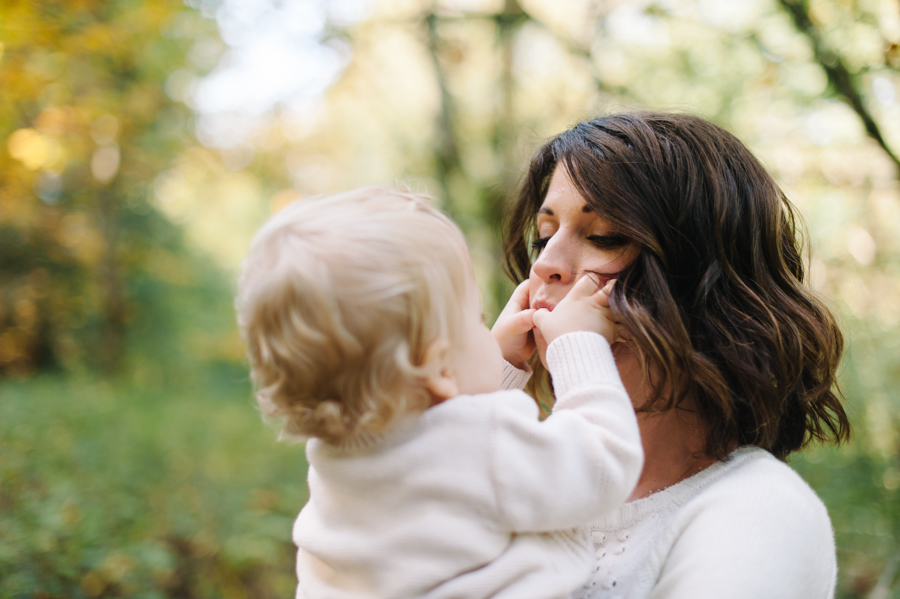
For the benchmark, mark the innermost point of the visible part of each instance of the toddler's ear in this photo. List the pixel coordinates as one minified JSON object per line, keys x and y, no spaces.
{"x":440,"y":378}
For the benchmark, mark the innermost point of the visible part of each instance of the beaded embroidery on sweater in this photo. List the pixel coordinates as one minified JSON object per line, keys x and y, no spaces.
{"x":745,"y":527}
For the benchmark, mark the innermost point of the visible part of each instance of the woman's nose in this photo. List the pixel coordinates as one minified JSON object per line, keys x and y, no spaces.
{"x":555,"y":262}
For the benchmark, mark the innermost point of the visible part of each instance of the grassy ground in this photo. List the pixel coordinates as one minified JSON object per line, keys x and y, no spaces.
{"x":162,"y":490}
{"x":117,"y":491}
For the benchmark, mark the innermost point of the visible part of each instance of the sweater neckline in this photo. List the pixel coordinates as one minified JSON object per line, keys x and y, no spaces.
{"x":677,"y":494}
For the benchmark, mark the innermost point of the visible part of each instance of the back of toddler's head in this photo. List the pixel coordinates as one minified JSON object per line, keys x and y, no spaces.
{"x":338,"y":300}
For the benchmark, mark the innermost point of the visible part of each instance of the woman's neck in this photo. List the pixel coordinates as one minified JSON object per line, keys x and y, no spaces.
{"x":673,"y":450}
{"x":674,"y":441}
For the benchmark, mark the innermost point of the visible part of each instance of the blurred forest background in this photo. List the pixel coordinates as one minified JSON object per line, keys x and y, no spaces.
{"x":144,"y":141}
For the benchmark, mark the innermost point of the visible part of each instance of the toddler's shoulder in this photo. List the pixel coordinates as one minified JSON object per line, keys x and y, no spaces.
{"x":485,"y":413}
{"x":510,"y":400}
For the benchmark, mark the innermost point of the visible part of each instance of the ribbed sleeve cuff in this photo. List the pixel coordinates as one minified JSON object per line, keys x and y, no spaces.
{"x":577,"y":359}
{"x":513,"y":378}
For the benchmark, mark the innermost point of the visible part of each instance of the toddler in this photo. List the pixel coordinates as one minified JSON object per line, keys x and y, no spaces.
{"x":364,"y":329}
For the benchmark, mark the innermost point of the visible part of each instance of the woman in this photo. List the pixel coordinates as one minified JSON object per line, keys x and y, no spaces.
{"x":729,"y":359}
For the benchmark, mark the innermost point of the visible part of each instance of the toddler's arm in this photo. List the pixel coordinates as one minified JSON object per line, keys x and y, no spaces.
{"x":585,"y":459}
{"x":514,"y":378}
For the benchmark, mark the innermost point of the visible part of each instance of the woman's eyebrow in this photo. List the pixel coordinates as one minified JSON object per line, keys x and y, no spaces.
{"x":587,"y":209}
{"x":545,"y":210}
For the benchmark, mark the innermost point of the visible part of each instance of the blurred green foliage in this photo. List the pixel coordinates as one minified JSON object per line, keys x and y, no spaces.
{"x":87,"y":126}
{"x":132,"y":461}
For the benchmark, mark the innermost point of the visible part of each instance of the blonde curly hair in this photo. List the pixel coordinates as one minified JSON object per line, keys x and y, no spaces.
{"x":338,"y":299}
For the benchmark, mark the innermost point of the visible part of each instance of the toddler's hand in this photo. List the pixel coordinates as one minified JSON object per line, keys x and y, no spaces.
{"x":512,"y":331}
{"x":585,"y":308}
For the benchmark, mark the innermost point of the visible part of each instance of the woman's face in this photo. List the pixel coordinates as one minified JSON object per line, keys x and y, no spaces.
{"x":572,"y":240}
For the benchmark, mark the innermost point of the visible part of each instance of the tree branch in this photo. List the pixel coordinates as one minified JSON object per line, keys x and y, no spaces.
{"x":515,"y":14}
{"x":579,"y":50}
{"x":838,"y":74}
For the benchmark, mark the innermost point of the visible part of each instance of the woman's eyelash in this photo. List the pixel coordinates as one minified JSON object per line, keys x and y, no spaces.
{"x":601,"y":241}
{"x":608,"y":241}
{"x":539,"y":244}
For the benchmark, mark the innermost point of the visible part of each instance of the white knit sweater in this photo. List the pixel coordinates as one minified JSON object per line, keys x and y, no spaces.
{"x":475,"y":497}
{"x":746,"y":528}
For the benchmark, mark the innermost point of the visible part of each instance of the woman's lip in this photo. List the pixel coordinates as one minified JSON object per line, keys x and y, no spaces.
{"x":542,"y":304}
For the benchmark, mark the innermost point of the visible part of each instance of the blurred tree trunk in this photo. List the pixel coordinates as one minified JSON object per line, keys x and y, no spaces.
{"x":446,"y":150}
{"x":498,"y":198}
{"x":508,"y":22}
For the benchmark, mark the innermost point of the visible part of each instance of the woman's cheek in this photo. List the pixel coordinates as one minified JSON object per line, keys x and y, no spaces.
{"x":534,"y":285}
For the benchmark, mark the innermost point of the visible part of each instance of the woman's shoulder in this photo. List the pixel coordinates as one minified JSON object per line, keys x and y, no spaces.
{"x":748,"y":515}
{"x":746,"y":527}
{"x":752,"y":494}
{"x":750,"y":477}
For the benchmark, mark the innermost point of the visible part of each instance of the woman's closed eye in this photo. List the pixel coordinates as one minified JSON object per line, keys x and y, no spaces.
{"x":607,"y":241}
{"x":601,"y":241}
{"x":540,"y":243}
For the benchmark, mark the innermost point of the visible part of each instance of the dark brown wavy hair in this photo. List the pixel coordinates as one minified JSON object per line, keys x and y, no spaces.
{"x":715,"y":302}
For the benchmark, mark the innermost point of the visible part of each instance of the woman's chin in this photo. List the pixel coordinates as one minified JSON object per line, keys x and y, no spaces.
{"x":541,"y":347}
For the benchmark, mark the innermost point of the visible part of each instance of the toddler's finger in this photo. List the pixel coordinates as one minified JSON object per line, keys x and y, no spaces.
{"x":607,"y":289}
{"x":522,"y":322}
{"x":540,"y":316}
{"x":520,"y":297}
{"x":585,"y":287}
{"x":603,"y":294}
{"x":518,"y":301}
